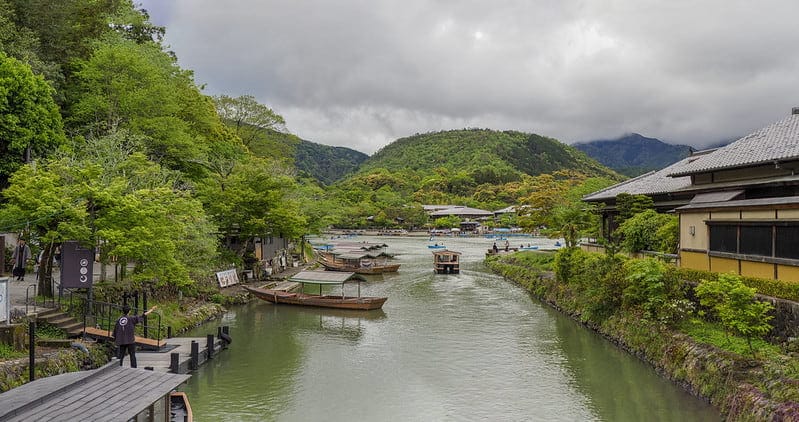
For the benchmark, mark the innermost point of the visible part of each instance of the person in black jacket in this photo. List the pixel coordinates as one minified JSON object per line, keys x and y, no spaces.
{"x":124,"y":334}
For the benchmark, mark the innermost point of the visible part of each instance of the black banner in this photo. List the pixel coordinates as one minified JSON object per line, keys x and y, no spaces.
{"x":77,"y":265}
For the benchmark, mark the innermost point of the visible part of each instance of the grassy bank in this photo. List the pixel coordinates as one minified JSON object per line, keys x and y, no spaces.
{"x":654,"y":320}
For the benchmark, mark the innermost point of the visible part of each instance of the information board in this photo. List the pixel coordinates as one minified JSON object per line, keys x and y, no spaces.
{"x":77,"y":266}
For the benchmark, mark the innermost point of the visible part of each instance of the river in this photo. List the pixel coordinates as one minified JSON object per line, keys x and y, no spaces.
{"x":465,"y":347}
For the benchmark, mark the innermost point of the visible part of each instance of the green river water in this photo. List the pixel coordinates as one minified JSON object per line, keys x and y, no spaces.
{"x":465,"y":347}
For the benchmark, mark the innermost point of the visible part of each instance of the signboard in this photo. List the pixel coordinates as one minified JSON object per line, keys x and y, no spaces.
{"x":77,"y":266}
{"x":5,"y":301}
{"x":227,"y":278}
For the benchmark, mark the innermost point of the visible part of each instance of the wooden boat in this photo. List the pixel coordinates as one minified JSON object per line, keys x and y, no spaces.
{"x":180,"y":409}
{"x":357,"y":262}
{"x":446,"y":262}
{"x":363,"y":303}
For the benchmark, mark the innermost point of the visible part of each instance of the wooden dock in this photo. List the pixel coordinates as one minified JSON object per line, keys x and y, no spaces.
{"x":162,"y":360}
{"x":171,"y":354}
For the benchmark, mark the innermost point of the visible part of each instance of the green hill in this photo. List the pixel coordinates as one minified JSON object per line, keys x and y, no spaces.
{"x":325,"y":163}
{"x":508,"y":152}
{"x":634,"y":154}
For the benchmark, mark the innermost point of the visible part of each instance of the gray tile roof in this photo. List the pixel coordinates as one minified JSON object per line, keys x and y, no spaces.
{"x":776,"y":142}
{"x":652,"y":183}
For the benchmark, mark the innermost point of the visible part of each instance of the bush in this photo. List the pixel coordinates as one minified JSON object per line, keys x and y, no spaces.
{"x":735,"y":306}
{"x":649,"y":231}
{"x":656,"y":291}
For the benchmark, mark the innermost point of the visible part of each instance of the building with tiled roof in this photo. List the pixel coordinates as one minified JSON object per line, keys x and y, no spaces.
{"x":664,"y":190}
{"x":744,"y":212}
{"x":738,"y":204}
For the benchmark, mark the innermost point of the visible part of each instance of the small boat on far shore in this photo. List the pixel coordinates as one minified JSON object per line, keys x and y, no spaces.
{"x":436,"y":246}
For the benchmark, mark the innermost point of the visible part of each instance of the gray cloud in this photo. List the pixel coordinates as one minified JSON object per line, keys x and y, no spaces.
{"x":363,"y":73}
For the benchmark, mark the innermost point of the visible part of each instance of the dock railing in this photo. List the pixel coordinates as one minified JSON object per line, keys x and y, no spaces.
{"x":103,"y":315}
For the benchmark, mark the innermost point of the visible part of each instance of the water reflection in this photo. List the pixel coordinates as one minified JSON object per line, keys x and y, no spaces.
{"x":469,"y":346}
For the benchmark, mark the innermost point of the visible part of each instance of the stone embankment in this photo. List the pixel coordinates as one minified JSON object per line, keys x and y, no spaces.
{"x":742,"y":388}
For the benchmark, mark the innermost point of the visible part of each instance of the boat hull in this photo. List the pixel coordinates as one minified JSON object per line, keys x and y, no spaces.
{"x":321,"y":301}
{"x":377,"y":269}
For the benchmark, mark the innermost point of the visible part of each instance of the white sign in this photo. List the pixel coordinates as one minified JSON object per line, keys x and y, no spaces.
{"x":227,"y":278}
{"x":5,"y":306}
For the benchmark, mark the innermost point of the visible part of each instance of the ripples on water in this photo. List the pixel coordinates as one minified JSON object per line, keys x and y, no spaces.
{"x":465,"y":347}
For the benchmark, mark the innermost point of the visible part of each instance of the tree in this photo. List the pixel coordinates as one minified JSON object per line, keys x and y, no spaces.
{"x":641,"y":232}
{"x":30,"y":124}
{"x":44,"y":201}
{"x":735,"y":305}
{"x":254,"y":200}
{"x":140,"y":88}
{"x":247,"y":117}
{"x":630,"y":205}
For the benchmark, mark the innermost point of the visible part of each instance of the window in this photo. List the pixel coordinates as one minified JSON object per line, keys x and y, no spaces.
{"x":756,"y":240}
{"x":774,"y":239}
{"x":787,"y":242}
{"x":724,"y":238}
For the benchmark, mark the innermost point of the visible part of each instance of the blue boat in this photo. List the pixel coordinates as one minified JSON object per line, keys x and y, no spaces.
{"x":436,"y":246}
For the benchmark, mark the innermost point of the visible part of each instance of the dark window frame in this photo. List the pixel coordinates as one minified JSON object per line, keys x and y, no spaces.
{"x":780,"y":247}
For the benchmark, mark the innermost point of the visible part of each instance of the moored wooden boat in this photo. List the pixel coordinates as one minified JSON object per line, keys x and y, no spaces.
{"x":342,"y":301}
{"x":357,"y":262}
{"x":180,"y":409}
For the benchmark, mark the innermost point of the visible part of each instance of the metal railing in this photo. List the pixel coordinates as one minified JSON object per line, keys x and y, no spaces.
{"x":103,"y":315}
{"x":28,"y":298}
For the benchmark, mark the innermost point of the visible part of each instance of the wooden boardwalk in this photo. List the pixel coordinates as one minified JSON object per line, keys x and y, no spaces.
{"x":158,"y":354}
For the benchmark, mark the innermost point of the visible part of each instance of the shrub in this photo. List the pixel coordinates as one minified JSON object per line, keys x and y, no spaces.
{"x":654,"y":289}
{"x":734,"y":305}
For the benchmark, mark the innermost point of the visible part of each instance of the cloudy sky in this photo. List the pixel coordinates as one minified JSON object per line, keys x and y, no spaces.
{"x":363,"y":73}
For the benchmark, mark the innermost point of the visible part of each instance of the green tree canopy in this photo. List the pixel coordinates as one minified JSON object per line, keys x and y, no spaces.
{"x":30,"y":124}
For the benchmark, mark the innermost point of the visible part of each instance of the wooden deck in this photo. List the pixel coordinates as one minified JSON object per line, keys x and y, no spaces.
{"x":286,"y":286}
{"x":158,"y":354}
{"x":111,"y":393}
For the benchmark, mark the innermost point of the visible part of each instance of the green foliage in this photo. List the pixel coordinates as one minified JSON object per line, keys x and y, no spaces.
{"x":655,"y":290}
{"x":775,"y":288}
{"x":8,"y":352}
{"x":49,"y":331}
{"x":630,"y":205}
{"x":139,"y":87}
{"x":734,"y":305}
{"x":447,"y":222}
{"x":641,"y":232}
{"x":713,"y":333}
{"x":30,"y":124}
{"x":247,"y":118}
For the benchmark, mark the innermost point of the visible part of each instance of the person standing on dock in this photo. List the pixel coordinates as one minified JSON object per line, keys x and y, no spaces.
{"x":124,"y":334}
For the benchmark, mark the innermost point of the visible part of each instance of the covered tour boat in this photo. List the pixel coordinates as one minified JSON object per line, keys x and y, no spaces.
{"x":321,"y":278}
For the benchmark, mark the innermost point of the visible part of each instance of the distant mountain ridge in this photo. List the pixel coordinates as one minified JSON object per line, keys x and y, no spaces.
{"x":484,"y":153}
{"x":325,"y":163}
{"x":634,"y":154}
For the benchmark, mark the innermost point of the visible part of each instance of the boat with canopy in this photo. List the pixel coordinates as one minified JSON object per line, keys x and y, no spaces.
{"x":321,"y":278}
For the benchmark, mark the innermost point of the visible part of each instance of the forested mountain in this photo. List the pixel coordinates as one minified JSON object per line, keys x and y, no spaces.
{"x":491,"y":156}
{"x":474,"y":167}
{"x":325,"y":163}
{"x":634,"y":154}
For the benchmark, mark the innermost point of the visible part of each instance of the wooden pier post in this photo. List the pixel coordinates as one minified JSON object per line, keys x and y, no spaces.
{"x":174,"y":364}
{"x":210,"y":345}
{"x":194,"y":363}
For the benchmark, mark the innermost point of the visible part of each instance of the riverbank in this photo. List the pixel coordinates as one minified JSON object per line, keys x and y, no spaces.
{"x":743,"y":388}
